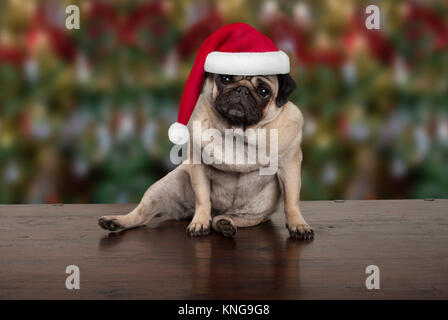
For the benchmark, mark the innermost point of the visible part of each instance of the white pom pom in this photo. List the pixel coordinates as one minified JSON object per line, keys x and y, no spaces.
{"x":178,"y":133}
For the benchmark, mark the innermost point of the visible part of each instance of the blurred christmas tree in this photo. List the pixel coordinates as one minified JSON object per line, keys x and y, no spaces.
{"x":84,"y":113}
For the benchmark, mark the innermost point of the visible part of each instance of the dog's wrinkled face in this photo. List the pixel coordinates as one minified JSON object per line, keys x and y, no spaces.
{"x":243,"y":100}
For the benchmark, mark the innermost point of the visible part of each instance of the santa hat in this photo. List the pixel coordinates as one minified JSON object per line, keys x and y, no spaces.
{"x":235,"y":49}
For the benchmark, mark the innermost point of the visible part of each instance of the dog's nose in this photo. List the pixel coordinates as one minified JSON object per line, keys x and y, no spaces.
{"x":243,"y":91}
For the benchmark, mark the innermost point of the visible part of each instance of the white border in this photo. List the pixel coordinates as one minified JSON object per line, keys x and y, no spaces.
{"x":247,"y":63}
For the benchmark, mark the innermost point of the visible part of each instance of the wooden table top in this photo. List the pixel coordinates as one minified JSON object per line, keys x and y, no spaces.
{"x":406,"y":239}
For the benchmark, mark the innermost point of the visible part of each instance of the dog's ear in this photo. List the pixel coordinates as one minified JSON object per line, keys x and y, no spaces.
{"x":286,"y":86}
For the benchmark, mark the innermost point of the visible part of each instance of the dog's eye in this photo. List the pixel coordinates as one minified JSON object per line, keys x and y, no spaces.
{"x":263,"y":91}
{"x":226,"y":79}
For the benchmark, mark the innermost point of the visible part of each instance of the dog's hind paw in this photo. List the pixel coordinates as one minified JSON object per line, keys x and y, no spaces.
{"x":302,"y":232}
{"x":226,"y":227}
{"x":198,"y":229}
{"x":109,"y":223}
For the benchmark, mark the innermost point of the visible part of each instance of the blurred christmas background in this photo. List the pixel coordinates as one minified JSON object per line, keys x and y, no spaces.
{"x":84,"y":113}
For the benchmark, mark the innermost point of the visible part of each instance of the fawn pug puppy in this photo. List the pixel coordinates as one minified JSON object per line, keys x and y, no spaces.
{"x":224,"y":196}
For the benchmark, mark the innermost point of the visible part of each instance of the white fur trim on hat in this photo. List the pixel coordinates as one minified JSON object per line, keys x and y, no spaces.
{"x":247,"y":63}
{"x":178,"y":133}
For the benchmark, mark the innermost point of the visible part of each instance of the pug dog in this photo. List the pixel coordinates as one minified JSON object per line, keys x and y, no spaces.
{"x":225,"y":196}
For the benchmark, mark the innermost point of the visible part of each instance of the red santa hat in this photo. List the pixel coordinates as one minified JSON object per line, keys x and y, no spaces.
{"x":235,"y":49}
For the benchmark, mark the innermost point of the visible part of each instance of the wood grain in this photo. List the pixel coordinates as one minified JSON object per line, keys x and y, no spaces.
{"x":406,"y":239}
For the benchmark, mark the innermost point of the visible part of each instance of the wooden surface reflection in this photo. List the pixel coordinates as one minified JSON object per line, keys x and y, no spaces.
{"x":406,"y":239}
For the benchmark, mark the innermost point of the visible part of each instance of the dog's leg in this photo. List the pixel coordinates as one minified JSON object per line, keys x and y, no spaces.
{"x":172,"y":195}
{"x":135,"y":218}
{"x":289,"y":176}
{"x":200,"y":225}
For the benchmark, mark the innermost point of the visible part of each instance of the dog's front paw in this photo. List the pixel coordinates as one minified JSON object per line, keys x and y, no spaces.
{"x":198,"y":228}
{"x":109,"y":223}
{"x":300,"y":231}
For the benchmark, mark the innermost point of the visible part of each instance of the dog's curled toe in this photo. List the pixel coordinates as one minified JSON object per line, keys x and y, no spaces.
{"x":109,"y":224}
{"x":197,"y":229}
{"x":227,"y":229}
{"x":302,"y":232}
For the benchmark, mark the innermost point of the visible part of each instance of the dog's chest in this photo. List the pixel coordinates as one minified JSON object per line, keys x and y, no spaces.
{"x":248,"y":194}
